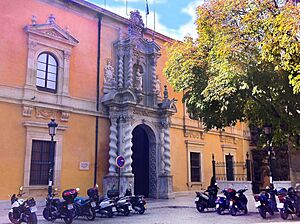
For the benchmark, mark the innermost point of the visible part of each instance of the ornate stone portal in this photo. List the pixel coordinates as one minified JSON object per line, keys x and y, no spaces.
{"x":133,"y":98}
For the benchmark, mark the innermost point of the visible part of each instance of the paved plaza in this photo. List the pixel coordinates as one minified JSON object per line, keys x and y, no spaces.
{"x":180,"y":210}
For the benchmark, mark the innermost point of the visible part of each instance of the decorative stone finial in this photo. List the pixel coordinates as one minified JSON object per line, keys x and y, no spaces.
{"x":33,"y":20}
{"x":136,"y":27}
{"x":51,"y":19}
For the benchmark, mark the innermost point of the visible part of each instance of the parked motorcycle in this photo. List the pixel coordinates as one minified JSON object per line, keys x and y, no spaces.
{"x":122,"y":204}
{"x":56,"y":209}
{"x":289,"y":202}
{"x":222,"y":201}
{"x":137,"y":201}
{"x":84,"y":207}
{"x":102,"y":206}
{"x":265,"y":202}
{"x":206,"y":199}
{"x":22,"y":211}
{"x":238,"y":203}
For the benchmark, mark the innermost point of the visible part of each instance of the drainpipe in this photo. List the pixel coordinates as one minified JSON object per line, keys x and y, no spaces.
{"x":97,"y":100}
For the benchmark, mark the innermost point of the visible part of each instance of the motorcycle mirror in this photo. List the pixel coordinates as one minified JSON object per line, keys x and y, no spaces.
{"x":55,"y":189}
{"x":96,"y":185}
{"x":77,"y":189}
{"x":21,"y":188}
{"x":9,"y":196}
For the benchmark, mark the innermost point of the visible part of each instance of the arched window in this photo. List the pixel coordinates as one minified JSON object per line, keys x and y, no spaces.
{"x":46,"y":77}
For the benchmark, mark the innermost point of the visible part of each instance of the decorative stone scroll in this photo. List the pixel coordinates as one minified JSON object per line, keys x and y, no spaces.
{"x":27,"y":111}
{"x":45,"y":113}
{"x":109,"y":77}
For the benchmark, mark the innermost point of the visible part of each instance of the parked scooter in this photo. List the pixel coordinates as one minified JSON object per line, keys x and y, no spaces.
{"x":84,"y":207}
{"x":222,"y":201}
{"x":265,"y":202}
{"x":56,"y":209}
{"x":137,"y":201}
{"x":207,"y":200}
{"x":22,"y":211}
{"x":238,"y":203}
{"x":102,"y":206}
{"x":122,"y":204}
{"x":289,"y":202}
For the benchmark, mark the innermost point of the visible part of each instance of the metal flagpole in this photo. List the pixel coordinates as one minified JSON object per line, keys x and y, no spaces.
{"x":147,"y":13}
{"x":126,"y":5}
{"x":154,"y":11}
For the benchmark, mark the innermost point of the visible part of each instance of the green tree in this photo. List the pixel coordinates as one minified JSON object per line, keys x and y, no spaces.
{"x":244,"y":66}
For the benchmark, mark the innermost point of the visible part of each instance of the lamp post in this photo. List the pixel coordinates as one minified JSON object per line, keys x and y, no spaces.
{"x":52,"y":131}
{"x":268,"y":133}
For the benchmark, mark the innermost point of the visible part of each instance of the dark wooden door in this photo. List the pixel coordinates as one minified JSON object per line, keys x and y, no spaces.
{"x":229,"y":167}
{"x":140,"y":161}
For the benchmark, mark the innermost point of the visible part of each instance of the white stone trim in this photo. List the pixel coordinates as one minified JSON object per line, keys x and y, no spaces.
{"x":197,"y":147}
{"x":39,"y":131}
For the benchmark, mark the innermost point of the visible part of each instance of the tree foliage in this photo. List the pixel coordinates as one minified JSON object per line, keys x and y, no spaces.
{"x":244,"y":66}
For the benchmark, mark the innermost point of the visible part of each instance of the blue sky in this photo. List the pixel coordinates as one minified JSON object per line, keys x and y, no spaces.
{"x":174,"y":18}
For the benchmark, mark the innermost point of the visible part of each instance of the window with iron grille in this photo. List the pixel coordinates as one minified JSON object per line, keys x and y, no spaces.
{"x":195,"y":166}
{"x":40,"y":161}
{"x":46,"y":75}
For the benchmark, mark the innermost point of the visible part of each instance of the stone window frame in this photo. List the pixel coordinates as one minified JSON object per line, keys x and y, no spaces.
{"x":196,"y":147}
{"x":39,"y":131}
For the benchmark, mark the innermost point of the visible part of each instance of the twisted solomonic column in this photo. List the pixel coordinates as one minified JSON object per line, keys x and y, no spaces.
{"x":130,"y":72}
{"x":127,"y":147}
{"x":113,"y":146}
{"x":162,"y":149}
{"x":153,"y":73}
{"x":167,"y":151}
{"x":120,"y":71}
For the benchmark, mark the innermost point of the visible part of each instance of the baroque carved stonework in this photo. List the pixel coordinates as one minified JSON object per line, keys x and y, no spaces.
{"x":194,"y":134}
{"x":228,"y":139}
{"x":65,"y":116}
{"x":45,"y":113}
{"x":27,"y":111}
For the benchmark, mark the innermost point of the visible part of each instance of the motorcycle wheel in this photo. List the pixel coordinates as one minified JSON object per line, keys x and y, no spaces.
{"x":126,"y":211}
{"x":200,"y":207}
{"x":283,"y":214}
{"x":220,"y":210}
{"x":271,"y":212}
{"x":68,"y":220}
{"x":47,"y":212}
{"x":12,"y":219}
{"x":142,"y":210}
{"x":32,"y":218}
{"x":90,"y":214}
{"x":110,"y":213}
{"x":262,"y":212}
{"x":245,"y":210}
{"x":233,"y":211}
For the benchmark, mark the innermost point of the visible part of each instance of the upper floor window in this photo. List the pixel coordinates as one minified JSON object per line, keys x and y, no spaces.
{"x":46,"y":78}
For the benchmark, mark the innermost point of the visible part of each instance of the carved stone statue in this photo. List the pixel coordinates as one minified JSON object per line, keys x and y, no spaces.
{"x":138,"y":80}
{"x":109,"y":78}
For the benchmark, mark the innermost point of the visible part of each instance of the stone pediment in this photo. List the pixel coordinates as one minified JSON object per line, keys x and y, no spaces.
{"x":53,"y":31}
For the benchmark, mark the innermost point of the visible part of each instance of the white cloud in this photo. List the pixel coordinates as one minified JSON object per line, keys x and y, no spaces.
{"x":179,"y":34}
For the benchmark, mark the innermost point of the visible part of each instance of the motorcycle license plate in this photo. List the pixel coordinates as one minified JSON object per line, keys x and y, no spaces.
{"x":33,"y":209}
{"x":279,"y":205}
{"x":231,"y":203}
{"x":93,"y":204}
{"x":217,"y":205}
{"x":257,"y":204}
{"x":196,"y":199}
{"x":114,"y":209}
{"x":70,"y":206}
{"x":129,"y":208}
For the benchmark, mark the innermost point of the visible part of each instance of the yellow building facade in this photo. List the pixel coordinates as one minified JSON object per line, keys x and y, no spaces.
{"x":100,"y":76}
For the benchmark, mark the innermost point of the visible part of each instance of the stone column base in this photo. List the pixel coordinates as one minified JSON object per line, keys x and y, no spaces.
{"x":165,"y":186}
{"x":111,"y":181}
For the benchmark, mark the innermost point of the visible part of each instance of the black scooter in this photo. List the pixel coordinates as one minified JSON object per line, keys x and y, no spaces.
{"x":122,"y":204}
{"x":137,"y":201}
{"x":289,"y":203}
{"x":207,"y":200}
{"x":84,"y":207}
{"x":22,"y":211}
{"x":56,"y":209}
{"x":238,"y":203}
{"x":265,"y":202}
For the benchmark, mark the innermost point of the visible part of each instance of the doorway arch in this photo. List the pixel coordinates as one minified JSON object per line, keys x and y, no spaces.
{"x":144,"y":160}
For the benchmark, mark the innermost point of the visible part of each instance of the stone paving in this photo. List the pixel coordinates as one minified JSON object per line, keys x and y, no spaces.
{"x":180,"y":210}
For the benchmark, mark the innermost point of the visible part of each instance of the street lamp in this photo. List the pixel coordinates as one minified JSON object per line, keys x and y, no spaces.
{"x":268,"y":133}
{"x":52,"y":131}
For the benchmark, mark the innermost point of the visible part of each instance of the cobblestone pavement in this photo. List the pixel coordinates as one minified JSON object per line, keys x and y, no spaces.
{"x":174,"y":211}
